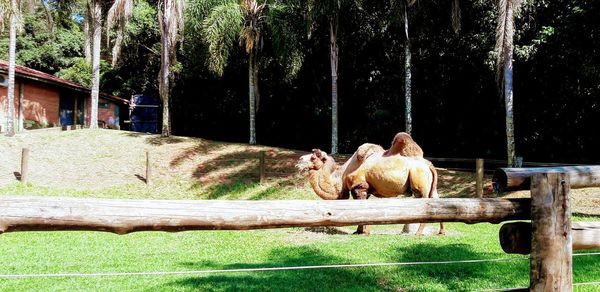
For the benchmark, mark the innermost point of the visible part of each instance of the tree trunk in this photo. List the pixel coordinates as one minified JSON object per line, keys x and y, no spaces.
{"x":407,"y":76}
{"x":508,"y":99}
{"x":97,"y":30}
{"x":87,"y":47}
{"x":252,"y":97}
{"x":334,"y":49}
{"x":165,"y":65}
{"x":11,"y":70}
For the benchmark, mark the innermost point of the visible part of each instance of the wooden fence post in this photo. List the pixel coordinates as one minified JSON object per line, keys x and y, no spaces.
{"x":262,"y":166}
{"x":148,"y":168}
{"x":551,"y":242}
{"x":24,"y":164}
{"x":479,"y":179}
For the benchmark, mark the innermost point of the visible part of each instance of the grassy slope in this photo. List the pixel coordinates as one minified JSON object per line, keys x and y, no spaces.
{"x":89,"y":252}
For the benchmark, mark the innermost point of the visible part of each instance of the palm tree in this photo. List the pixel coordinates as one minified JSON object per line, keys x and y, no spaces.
{"x":170,"y":19}
{"x":330,"y":9}
{"x":505,"y":30}
{"x":407,"y":68}
{"x":118,"y":15}
{"x":226,"y":21}
{"x":404,"y":5}
{"x":11,"y":8}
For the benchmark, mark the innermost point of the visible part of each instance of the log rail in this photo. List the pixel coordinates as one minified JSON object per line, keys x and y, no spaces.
{"x":125,"y":216}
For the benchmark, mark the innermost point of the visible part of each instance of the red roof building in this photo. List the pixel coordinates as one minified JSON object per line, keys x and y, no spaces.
{"x":44,"y":100}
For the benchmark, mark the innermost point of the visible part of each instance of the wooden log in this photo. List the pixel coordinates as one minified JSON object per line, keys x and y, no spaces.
{"x":148,"y":168}
{"x":551,"y":242}
{"x":515,"y":237}
{"x":479,"y":179}
{"x":261,"y":165}
{"x":124,"y":216}
{"x":24,"y":165}
{"x":514,"y":179}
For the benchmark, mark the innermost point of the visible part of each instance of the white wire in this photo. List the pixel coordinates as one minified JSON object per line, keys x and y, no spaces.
{"x":586,"y":283}
{"x":117,"y":274}
{"x":175,"y":273}
{"x":585,"y":254}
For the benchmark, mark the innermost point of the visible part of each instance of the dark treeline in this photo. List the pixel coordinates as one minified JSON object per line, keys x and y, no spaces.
{"x":457,"y":108}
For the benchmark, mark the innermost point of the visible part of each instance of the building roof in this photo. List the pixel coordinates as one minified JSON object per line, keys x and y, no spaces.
{"x":25,"y":72}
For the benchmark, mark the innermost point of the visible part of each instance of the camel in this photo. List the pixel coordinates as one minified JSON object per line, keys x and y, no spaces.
{"x":391,"y":176}
{"x":330,"y":181}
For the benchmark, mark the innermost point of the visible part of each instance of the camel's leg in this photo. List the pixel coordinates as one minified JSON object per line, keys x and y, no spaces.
{"x":442,"y":229}
{"x":361,"y":193}
{"x":420,"y":184}
{"x":420,"y":230}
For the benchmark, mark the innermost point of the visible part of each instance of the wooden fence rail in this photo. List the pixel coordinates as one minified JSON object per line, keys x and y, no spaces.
{"x":124,"y":216}
{"x":515,"y":179}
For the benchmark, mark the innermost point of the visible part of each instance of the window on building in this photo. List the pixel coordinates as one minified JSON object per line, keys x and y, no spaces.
{"x":103,"y":105}
{"x":3,"y":81}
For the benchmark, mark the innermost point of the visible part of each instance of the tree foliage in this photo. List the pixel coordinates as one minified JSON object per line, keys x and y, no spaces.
{"x":456,"y":108}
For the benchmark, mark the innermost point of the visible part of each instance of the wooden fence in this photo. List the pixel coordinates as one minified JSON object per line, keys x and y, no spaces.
{"x":551,"y":242}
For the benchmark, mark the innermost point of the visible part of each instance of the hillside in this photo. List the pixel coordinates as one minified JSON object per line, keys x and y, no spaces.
{"x":107,"y":163}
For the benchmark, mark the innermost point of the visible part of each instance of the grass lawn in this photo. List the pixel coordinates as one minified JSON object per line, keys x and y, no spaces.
{"x":94,"y":252}
{"x":189,"y":168}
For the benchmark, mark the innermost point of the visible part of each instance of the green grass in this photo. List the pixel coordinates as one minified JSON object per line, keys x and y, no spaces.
{"x":96,"y":252}
{"x":174,"y":189}
{"x":93,"y":252}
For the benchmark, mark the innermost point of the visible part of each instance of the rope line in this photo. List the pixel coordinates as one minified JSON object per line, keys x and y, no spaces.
{"x":585,"y":254}
{"x":265,"y":269}
{"x":172,"y":273}
{"x":521,"y":288}
{"x":586,"y":283}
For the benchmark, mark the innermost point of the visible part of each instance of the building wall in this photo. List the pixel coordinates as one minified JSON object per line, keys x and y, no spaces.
{"x":41,"y":104}
{"x":4,"y":106}
{"x":106,"y":115}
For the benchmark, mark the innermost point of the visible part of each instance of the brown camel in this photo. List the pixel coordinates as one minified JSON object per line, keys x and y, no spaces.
{"x":391,"y":176}
{"x":327,"y":179}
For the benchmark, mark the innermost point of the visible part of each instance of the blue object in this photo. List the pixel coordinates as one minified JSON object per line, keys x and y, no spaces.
{"x":144,"y":112}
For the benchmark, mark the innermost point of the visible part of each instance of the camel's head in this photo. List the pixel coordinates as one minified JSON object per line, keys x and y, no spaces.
{"x":314,"y":161}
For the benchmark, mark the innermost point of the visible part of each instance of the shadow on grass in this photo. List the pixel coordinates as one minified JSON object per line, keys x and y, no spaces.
{"x":225,"y":169}
{"x":457,"y":184}
{"x":234,"y":185}
{"x":350,"y":279}
{"x":155,"y":139}
{"x":459,"y":276}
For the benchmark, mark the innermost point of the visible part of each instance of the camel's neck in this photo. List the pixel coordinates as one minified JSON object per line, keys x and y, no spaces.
{"x":327,"y":181}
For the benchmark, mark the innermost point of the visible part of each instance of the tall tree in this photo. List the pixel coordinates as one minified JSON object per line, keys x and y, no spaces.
{"x":12,"y":10}
{"x":119,"y":13}
{"x":505,"y":31}
{"x":330,"y":9}
{"x":404,"y":6}
{"x":407,"y":68}
{"x":170,"y":19}
{"x":228,"y":20}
